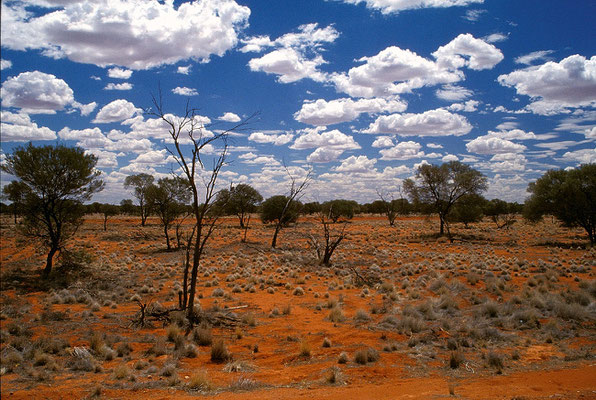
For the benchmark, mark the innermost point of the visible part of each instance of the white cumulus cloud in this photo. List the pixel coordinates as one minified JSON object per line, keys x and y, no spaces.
{"x":119,"y":73}
{"x":493,"y":145}
{"x":273,"y":138}
{"x":324,"y":155}
{"x":185,"y":91}
{"x":439,"y":122}
{"x":229,"y":117}
{"x":40,"y":93}
{"x":289,"y":64}
{"x":357,"y":164}
{"x":117,"y":110}
{"x":553,"y":86}
{"x":392,"y":71}
{"x":295,"y":56}
{"x":395,"y":70}
{"x":20,"y":128}
{"x":383,"y":141}
{"x":402,"y":151}
{"x":330,"y":139}
{"x":584,"y":156}
{"x":118,"y":86}
{"x":5,"y":64}
{"x":136,"y":34}
{"x":467,"y":51}
{"x":322,"y":112}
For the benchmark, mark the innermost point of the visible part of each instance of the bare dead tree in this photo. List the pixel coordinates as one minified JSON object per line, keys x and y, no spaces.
{"x":332,"y":240}
{"x":296,"y":191}
{"x":189,"y":127}
{"x":390,"y":208}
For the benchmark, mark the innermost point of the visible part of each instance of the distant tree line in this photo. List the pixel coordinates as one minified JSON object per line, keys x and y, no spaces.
{"x":54,"y":182}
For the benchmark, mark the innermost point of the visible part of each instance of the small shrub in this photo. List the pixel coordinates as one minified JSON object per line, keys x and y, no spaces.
{"x":159,"y":348}
{"x":11,"y":359}
{"x":200,"y":381}
{"x":360,"y":357}
{"x":243,"y":383}
{"x":361,"y":316}
{"x":343,"y":358}
{"x":326,"y":342}
{"x":202,"y":336}
{"x":389,"y":347}
{"x":372,"y":355}
{"x":168,"y":370}
{"x":456,"y":359}
{"x":334,"y":376}
{"x":173,"y":333}
{"x":96,"y":342}
{"x":304,"y":349}
{"x":140,"y":364}
{"x":490,"y":309}
{"x":190,"y":351}
{"x":249,"y":319}
{"x":121,"y":372}
{"x":287,"y":309}
{"x":82,"y":360}
{"x":219,"y":352}
{"x":363,"y":356}
{"x":123,"y":349}
{"x":495,"y":360}
{"x":336,"y":315}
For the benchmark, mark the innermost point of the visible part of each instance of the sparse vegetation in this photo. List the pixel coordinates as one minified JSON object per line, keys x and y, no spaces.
{"x":461,"y":310}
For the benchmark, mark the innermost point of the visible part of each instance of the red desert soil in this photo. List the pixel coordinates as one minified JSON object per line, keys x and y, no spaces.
{"x":514,"y":308}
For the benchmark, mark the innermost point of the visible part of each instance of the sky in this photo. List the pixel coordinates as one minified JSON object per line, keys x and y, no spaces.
{"x":360,"y":91}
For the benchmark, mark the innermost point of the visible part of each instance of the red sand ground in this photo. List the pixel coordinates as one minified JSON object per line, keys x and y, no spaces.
{"x":541,"y":370}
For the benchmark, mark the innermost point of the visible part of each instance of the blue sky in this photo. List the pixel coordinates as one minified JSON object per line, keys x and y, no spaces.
{"x":361,"y":91}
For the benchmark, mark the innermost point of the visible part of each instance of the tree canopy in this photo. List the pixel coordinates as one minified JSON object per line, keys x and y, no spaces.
{"x":139,"y":184}
{"x":272,"y":210}
{"x":336,"y":209}
{"x":239,"y":200}
{"x":569,"y":195}
{"x":16,"y":192}
{"x":168,"y":199}
{"x":59,"y":179}
{"x":442,"y":186}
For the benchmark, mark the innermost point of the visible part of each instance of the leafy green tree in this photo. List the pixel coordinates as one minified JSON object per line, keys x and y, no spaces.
{"x":376,"y":207}
{"x":336,"y":209}
{"x":168,"y":199}
{"x":127,"y":206}
{"x":272,"y":211}
{"x":468,"y":209}
{"x":139,"y":184}
{"x":59,"y":180}
{"x":16,"y":192}
{"x":311,"y":208}
{"x":93,"y":208}
{"x":569,"y":195}
{"x":240,"y":200}
{"x":501,"y":212}
{"x":442,"y":186}
{"x":108,"y":210}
